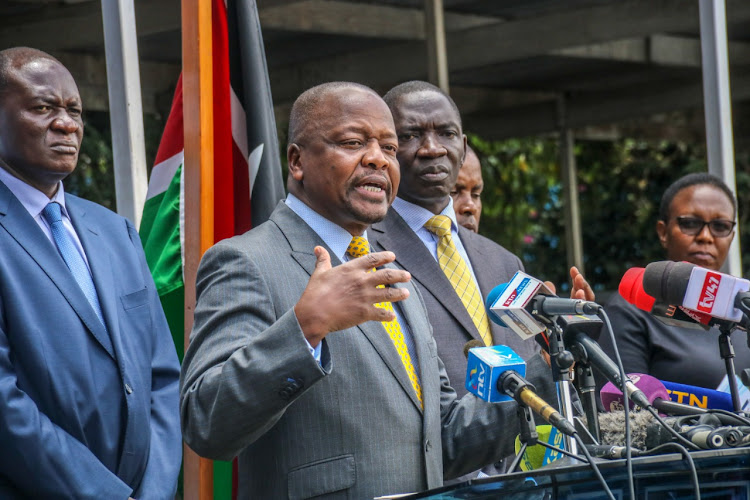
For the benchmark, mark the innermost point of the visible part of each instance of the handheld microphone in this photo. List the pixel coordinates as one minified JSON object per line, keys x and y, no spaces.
{"x":495,"y":374}
{"x":520,"y":303}
{"x":699,"y":397}
{"x":698,"y":289}
{"x":631,"y":289}
{"x":655,"y":391}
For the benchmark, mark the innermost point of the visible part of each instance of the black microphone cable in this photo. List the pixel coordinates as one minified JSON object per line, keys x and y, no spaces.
{"x":671,"y":430}
{"x":739,"y":418}
{"x":594,"y":467}
{"x":685,"y":453}
{"x":628,"y":440}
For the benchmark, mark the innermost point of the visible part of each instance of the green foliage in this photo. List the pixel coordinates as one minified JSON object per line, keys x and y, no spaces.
{"x":620,"y":186}
{"x":522,"y":203}
{"x":93,"y":178}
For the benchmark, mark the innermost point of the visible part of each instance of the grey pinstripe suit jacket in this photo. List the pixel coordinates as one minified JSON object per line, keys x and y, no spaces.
{"x":349,"y":429}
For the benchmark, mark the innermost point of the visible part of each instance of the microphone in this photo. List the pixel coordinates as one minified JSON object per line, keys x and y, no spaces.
{"x":631,"y":289}
{"x":584,"y":348}
{"x":612,"y":428}
{"x":520,"y":303}
{"x":655,"y":392}
{"x":611,"y":452}
{"x":587,"y":350}
{"x":698,"y":289}
{"x":495,"y":374}
{"x":699,"y":397}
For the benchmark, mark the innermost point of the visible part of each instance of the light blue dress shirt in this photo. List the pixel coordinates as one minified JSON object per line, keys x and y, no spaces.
{"x":34,"y":202}
{"x":338,"y":239}
{"x":416,"y":217}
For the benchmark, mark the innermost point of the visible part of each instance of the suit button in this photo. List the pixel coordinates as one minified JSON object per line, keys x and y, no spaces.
{"x":128,"y":389}
{"x":427,"y":445}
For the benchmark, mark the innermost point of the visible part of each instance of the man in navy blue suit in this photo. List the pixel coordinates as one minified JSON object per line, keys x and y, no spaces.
{"x":88,"y":371}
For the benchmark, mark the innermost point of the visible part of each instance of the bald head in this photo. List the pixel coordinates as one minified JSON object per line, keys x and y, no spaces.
{"x":307,"y":108}
{"x":13,"y":59}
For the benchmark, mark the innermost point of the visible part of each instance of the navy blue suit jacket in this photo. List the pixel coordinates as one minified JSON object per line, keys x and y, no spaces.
{"x":84,"y":412}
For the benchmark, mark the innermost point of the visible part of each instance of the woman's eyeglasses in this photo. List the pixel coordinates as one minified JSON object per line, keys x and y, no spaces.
{"x":691,"y":226}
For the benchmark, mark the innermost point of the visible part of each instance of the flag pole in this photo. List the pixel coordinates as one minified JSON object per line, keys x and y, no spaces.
{"x":197,"y":81}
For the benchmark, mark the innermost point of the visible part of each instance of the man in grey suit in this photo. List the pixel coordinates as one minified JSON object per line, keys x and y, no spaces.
{"x":294,"y":368}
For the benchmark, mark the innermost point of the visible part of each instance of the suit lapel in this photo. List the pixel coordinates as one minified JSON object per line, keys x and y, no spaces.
{"x":414,"y":314}
{"x":395,"y":235}
{"x":101,"y":270}
{"x":487,"y":281}
{"x":24,"y":229}
{"x":302,"y":240}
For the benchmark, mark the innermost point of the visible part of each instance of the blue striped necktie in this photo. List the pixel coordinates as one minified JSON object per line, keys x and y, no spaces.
{"x":72,"y":257}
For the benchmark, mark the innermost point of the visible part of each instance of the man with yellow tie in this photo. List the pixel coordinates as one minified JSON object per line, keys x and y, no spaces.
{"x":452,"y":267}
{"x":312,"y":359}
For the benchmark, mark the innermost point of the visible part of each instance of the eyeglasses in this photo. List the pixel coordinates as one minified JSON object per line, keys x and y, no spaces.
{"x":691,"y":226}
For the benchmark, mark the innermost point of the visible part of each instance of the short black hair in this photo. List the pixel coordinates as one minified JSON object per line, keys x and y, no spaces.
{"x":690,"y":180}
{"x":308,"y":101}
{"x":392,"y":97}
{"x":14,"y":58}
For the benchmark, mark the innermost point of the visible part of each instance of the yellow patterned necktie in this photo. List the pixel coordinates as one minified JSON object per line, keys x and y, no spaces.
{"x":459,"y":275}
{"x":357,"y":248}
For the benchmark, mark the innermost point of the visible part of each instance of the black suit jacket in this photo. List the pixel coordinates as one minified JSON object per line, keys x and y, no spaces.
{"x":451,"y":323}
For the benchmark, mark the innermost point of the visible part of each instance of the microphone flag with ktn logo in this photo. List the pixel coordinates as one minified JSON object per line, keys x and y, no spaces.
{"x":484,"y":367}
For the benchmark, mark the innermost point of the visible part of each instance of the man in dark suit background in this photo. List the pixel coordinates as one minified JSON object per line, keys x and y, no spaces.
{"x":432,"y":148}
{"x":293,"y":367}
{"x":88,"y":369}
{"x":467,"y":192}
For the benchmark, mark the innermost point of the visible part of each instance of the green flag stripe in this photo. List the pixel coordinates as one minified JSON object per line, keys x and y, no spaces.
{"x":160,"y":233}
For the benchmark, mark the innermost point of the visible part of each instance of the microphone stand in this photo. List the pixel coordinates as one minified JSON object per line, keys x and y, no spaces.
{"x":587,"y":392}
{"x":561,"y":361}
{"x":727,"y":354}
{"x":528,"y":435}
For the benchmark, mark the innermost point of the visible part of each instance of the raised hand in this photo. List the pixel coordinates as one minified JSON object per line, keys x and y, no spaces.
{"x":581,"y":288}
{"x":340,"y":297}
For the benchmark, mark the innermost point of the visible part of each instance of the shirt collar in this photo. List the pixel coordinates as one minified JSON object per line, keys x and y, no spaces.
{"x":416,"y":217}
{"x":336,"y":237}
{"x":30,"y":197}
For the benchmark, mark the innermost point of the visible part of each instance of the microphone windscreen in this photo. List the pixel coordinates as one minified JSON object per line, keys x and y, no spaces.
{"x":492,"y":297}
{"x":612,"y":428}
{"x":667,"y":281}
{"x":471,"y":344}
{"x":652,"y":387}
{"x":631,"y":289}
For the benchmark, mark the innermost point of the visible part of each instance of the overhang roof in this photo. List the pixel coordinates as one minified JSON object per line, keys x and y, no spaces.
{"x":509,"y":60}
